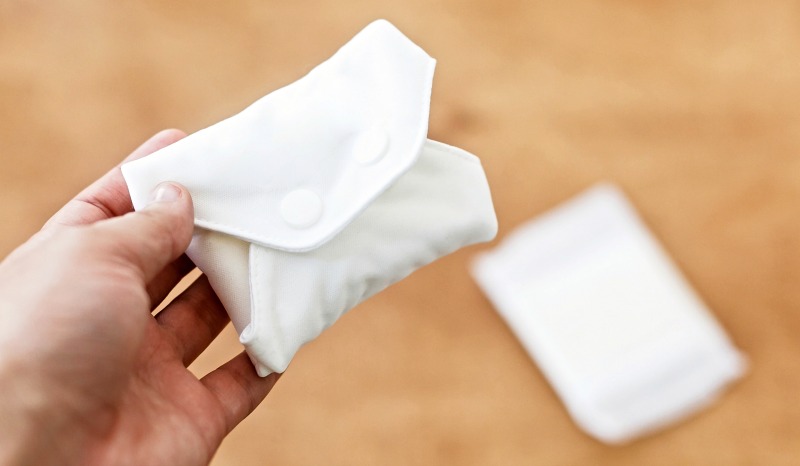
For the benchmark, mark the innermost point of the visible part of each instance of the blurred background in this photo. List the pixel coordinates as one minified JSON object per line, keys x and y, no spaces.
{"x":693,"y":107}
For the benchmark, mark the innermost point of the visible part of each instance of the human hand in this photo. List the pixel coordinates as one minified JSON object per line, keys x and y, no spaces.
{"x":87,"y":374}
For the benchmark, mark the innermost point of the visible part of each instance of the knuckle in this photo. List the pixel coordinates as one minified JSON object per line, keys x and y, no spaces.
{"x":163,"y":233}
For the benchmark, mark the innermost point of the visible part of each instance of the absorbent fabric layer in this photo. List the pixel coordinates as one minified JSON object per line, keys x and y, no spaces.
{"x":323,"y":193}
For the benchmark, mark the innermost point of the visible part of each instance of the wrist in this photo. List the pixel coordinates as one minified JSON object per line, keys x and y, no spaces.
{"x":40,"y":422}
{"x":30,"y":421}
{"x":19,"y":410}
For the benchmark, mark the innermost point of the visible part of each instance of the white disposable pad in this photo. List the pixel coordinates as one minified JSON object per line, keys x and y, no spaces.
{"x":323,"y":193}
{"x":618,"y":332}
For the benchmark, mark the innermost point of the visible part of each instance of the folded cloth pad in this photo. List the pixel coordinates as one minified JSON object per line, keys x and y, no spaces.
{"x":323,"y":193}
{"x":621,"y":336}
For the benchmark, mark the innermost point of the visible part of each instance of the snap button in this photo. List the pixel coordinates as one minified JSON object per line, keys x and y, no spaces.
{"x":301,"y":208}
{"x":371,"y":146}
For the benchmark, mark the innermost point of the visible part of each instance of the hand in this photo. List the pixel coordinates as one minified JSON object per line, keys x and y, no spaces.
{"x":87,"y":374}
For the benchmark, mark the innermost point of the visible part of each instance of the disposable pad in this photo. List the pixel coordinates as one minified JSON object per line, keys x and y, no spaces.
{"x":615,"y":328}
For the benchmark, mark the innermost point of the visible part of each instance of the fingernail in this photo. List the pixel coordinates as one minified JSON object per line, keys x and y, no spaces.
{"x":165,"y":192}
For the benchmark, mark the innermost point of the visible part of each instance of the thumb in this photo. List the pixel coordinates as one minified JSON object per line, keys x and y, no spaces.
{"x":152,"y":237}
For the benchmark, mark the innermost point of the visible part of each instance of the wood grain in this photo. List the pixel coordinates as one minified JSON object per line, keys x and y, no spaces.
{"x":691,"y":106}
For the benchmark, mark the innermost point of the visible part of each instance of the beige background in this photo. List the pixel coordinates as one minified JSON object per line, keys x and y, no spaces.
{"x":691,"y":106}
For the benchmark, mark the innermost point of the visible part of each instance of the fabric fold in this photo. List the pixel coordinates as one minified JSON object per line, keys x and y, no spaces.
{"x":323,"y":133}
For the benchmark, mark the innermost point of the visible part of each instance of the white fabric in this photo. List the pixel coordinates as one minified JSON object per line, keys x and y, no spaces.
{"x":617,"y":331}
{"x":323,"y":193}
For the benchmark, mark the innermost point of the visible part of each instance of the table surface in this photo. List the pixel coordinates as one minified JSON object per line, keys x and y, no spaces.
{"x":690,"y":106}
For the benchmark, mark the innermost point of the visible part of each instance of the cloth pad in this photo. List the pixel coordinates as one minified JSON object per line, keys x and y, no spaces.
{"x":620,"y":335}
{"x":323,"y":193}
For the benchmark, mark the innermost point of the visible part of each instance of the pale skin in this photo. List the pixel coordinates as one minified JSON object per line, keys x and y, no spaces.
{"x":87,"y":374}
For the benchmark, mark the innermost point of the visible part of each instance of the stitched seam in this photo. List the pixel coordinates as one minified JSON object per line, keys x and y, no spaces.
{"x":455,"y":151}
{"x":256,"y":279}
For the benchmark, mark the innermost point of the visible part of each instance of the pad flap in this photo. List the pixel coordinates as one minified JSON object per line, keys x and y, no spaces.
{"x":298,"y":165}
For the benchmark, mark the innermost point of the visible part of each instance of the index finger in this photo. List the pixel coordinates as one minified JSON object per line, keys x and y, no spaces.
{"x":108,"y":196}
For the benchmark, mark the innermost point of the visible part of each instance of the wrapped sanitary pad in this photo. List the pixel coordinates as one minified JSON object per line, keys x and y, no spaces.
{"x":615,"y":328}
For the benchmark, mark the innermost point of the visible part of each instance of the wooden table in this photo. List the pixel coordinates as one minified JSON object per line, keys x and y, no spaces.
{"x":691,"y":106}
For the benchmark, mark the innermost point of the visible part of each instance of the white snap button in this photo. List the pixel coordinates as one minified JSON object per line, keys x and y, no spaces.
{"x":301,"y":208}
{"x":371,"y":146}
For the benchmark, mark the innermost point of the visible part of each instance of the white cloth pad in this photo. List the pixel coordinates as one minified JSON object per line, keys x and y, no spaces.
{"x":323,"y":193}
{"x":617,"y":331}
